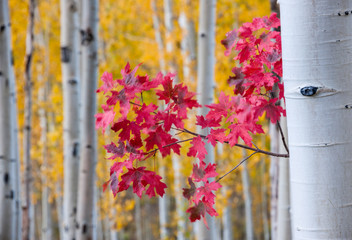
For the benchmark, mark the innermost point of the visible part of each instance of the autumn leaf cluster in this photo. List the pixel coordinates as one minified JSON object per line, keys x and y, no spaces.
{"x":144,"y":129}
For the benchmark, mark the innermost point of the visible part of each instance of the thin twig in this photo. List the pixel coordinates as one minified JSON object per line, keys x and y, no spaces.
{"x":236,"y":166}
{"x":240,"y":145}
{"x":282,"y":136}
{"x":168,"y":145}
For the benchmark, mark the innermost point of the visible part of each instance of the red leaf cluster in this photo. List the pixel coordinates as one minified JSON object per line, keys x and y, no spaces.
{"x":145,"y":129}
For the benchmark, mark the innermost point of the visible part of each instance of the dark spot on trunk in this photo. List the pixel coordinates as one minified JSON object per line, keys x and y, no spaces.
{"x":84,"y":228}
{"x":75,"y":153}
{"x":86,"y":36}
{"x":72,"y":81}
{"x":11,"y":195}
{"x":6,"y":178}
{"x":203,"y":35}
{"x":2,"y":28}
{"x":309,"y":91}
{"x":65,"y":54}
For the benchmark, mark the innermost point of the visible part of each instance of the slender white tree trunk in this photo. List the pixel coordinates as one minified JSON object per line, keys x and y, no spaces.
{"x":274,"y":179}
{"x":138,"y":217}
{"x":317,"y":59}
{"x":227,"y":233}
{"x":247,"y":201}
{"x":26,"y":180}
{"x":264,"y":199}
{"x":9,"y":204}
{"x":283,"y":210}
{"x":89,"y":60}
{"x":205,"y":88}
{"x":70,"y":83}
{"x":46,"y":230}
{"x":158,"y":38}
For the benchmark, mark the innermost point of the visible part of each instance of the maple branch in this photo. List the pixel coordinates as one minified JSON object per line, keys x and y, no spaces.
{"x":282,"y":137}
{"x":257,"y":150}
{"x":245,"y":159}
{"x":168,"y":145}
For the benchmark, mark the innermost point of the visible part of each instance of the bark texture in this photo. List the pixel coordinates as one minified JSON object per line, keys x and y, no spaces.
{"x":89,"y":60}
{"x":317,"y":46}
{"x":205,"y":87}
{"x":9,"y":186}
{"x":70,"y":82}
{"x":27,"y":176}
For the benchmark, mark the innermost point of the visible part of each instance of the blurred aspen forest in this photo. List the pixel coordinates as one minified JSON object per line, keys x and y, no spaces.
{"x":136,"y":31}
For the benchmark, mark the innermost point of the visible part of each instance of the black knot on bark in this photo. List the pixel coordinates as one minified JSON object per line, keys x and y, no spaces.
{"x":309,"y":91}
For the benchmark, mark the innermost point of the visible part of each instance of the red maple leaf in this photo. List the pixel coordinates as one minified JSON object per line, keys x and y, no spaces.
{"x":189,"y":192}
{"x":108,"y":83}
{"x":117,"y":151}
{"x":206,"y":193}
{"x":140,"y":178}
{"x":273,"y":112}
{"x":201,"y":172}
{"x":104,"y":119}
{"x":155,"y":185}
{"x":197,"y":149}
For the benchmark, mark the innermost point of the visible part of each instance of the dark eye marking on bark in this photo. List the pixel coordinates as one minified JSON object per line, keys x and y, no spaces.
{"x":309,"y":91}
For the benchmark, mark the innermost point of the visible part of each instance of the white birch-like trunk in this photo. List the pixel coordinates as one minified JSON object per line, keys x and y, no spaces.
{"x":27,"y":176}
{"x":9,"y":189}
{"x":247,"y":201}
{"x":205,"y":89}
{"x":158,"y":38}
{"x":59,"y":210}
{"x":274,"y":179}
{"x":264,"y":199}
{"x":46,"y":230}
{"x":138,"y":217}
{"x":227,"y":233}
{"x":70,"y":82}
{"x":317,"y":46}
{"x":88,"y":150}
{"x":283,"y":206}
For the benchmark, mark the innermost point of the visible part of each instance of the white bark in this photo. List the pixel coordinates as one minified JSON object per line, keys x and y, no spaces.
{"x":88,"y":152}
{"x":46,"y":230}
{"x":138,"y":217}
{"x":70,"y":82}
{"x":247,"y":201}
{"x":317,"y":46}
{"x":205,"y":87}
{"x":264,"y":199}
{"x":227,"y":233}
{"x":158,"y":38}
{"x":9,"y":189}
{"x":27,"y":176}
{"x":274,"y":179}
{"x":283,"y":209}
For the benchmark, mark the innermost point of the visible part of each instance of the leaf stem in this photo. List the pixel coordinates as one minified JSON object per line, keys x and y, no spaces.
{"x":245,"y":159}
{"x":282,"y":137}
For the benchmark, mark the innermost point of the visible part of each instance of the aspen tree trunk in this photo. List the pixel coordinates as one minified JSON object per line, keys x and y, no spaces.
{"x":27,"y":176}
{"x":70,"y":85}
{"x":264,"y":202}
{"x":247,"y":201}
{"x":274,"y":179}
{"x":158,"y":38}
{"x":226,"y":218}
{"x":283,"y":206}
{"x":317,"y":45}
{"x":138,"y":217}
{"x":205,"y":87}
{"x":169,"y":45}
{"x":89,"y":61}
{"x":9,"y":187}
{"x":188,"y":48}
{"x":46,"y":230}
